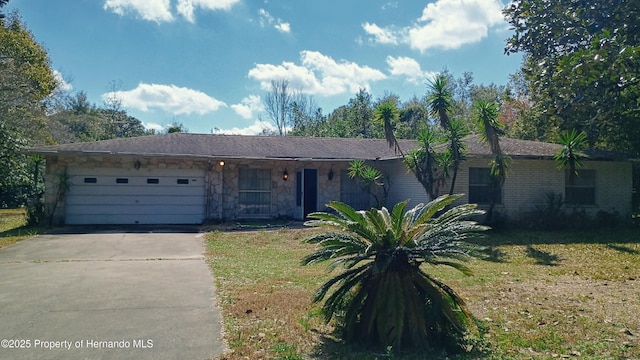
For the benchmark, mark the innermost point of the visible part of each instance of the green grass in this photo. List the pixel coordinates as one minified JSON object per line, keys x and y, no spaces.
{"x":541,"y":295}
{"x":13,"y":227}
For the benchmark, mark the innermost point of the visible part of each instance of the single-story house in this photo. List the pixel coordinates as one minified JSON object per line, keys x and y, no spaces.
{"x":184,"y":178}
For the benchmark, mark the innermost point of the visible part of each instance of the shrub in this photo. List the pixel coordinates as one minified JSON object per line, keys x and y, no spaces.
{"x":384,"y":295}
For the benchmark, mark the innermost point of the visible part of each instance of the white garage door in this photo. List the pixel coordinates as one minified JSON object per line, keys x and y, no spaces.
{"x":145,"y":196}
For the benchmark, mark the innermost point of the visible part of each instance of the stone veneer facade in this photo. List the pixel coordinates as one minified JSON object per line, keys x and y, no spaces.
{"x":221,"y":182}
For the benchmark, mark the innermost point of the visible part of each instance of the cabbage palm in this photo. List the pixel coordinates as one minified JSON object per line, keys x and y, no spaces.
{"x":385,"y":295}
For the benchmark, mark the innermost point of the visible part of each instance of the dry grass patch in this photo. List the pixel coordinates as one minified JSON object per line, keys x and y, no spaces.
{"x":13,"y":227}
{"x":265,"y":294}
{"x":545,"y":296}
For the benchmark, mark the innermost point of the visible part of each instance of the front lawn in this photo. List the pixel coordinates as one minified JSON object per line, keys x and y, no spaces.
{"x":541,"y":296}
{"x":13,"y":227}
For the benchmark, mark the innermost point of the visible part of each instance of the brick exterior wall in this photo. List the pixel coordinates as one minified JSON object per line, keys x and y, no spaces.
{"x":527,"y":185}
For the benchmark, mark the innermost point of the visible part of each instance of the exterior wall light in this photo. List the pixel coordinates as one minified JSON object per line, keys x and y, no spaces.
{"x":330,"y":175}
{"x":221,"y":163}
{"x":285,"y":175}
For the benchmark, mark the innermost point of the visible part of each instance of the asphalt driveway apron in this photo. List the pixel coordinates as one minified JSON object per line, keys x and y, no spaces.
{"x":108,"y":295}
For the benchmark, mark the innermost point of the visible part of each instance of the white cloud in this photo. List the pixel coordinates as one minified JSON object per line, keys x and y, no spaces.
{"x":61,"y":83}
{"x":152,"y":10}
{"x":445,"y":24}
{"x":153,"y":126}
{"x":380,"y":35}
{"x":389,"y":5}
{"x":318,"y":74}
{"x":258,"y":127}
{"x":186,"y":7}
{"x":409,"y":68}
{"x":267,"y":19}
{"x":248,"y":106}
{"x":283,"y":27}
{"x":450,"y":24}
{"x":160,"y":10}
{"x":171,"y":98}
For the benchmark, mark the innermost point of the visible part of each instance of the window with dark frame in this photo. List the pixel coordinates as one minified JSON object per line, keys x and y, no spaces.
{"x":90,"y":180}
{"x":254,"y":192}
{"x":122,"y":181}
{"x":183,"y":181}
{"x":481,"y":186}
{"x":299,"y":188}
{"x":352,"y":194}
{"x":153,"y":181}
{"x":581,"y":190}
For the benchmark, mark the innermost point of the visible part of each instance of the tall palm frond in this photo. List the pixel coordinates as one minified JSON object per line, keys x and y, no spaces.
{"x":423,"y":162}
{"x":486,"y":114}
{"x":388,"y":114}
{"x":490,"y":129}
{"x":457,"y":131}
{"x":570,"y":156}
{"x":440,"y":99}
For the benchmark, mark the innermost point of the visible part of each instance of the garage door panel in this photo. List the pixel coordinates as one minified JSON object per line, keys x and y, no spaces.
{"x":125,"y":219}
{"x":93,"y":180}
{"x":131,"y":210}
{"x":136,"y":200}
{"x":117,"y":172}
{"x":136,"y":190}
{"x":129,"y":196}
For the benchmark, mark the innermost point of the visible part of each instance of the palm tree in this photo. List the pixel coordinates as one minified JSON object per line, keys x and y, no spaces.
{"x":457,"y":149}
{"x":490,"y":130}
{"x":388,"y":114}
{"x":424,"y":162}
{"x":570,"y":156}
{"x":368,"y":176}
{"x":385,"y":295}
{"x":440,"y":99}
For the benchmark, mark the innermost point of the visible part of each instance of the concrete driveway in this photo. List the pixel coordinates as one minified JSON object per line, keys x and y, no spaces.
{"x":108,"y":295}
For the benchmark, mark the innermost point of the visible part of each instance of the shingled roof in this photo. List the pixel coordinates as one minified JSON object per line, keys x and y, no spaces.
{"x":286,"y":147}
{"x":234,"y":147}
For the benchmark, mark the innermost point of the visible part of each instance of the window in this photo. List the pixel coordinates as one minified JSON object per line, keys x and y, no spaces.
{"x":153,"y":181}
{"x":299,"y":188}
{"x":481,"y":186}
{"x":254,"y":186}
{"x":90,"y":180}
{"x":122,"y":181}
{"x":582,"y":191}
{"x":352,"y":194}
{"x":183,"y":181}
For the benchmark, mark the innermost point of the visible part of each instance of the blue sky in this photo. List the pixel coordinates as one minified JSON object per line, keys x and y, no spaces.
{"x":208,"y":63}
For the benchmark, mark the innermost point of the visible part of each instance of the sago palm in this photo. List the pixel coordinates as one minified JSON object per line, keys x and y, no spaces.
{"x":385,"y":296}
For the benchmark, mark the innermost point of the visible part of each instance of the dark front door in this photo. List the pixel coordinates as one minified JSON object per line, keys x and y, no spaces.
{"x":310,"y":192}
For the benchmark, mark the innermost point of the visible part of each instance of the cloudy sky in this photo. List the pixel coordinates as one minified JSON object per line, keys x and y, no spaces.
{"x":208,"y":63}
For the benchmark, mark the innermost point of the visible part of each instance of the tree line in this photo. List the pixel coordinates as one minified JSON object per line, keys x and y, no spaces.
{"x":35,"y":110}
{"x":580,"y":72}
